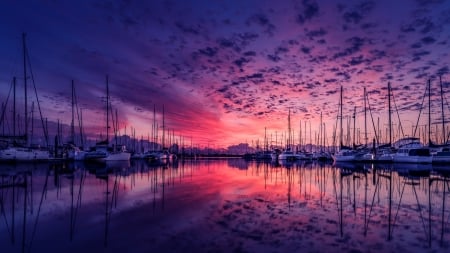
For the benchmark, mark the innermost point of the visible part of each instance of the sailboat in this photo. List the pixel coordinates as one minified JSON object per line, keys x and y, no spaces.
{"x":288,"y":154}
{"x":20,"y":148}
{"x":414,"y":151}
{"x":385,"y":153}
{"x":345,"y":154}
{"x":442,"y":155}
{"x":72,"y":150}
{"x":102,"y":151}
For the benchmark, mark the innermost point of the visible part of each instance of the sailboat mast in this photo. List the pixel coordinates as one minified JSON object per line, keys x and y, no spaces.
{"x":444,"y":139}
{"x":107,"y":110}
{"x":365,"y":117}
{"x":25,"y":85}
{"x":154,"y":132}
{"x":14,"y":108}
{"x":390,"y":112}
{"x":163,"y":125}
{"x":354,"y":127}
{"x":289,"y":130}
{"x":265,"y":139}
{"x":429,"y":112}
{"x":340,"y":116}
{"x":320,"y":133}
{"x":72,"y":124}
{"x":116,"y":128}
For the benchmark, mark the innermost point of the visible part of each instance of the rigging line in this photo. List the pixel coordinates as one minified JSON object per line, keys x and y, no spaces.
{"x":420,"y":112}
{"x":44,"y":190}
{"x":443,"y":210}
{"x":398,"y":207}
{"x":420,"y":210}
{"x":6,"y":102}
{"x":37,"y":98}
{"x":335,"y":189}
{"x":448,"y":106}
{"x":398,"y":115}
{"x":373,"y":202}
{"x":371,"y":116}
{"x":3,"y":211}
{"x":78,"y":110}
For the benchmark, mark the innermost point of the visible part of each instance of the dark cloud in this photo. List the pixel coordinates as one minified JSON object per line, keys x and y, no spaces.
{"x":419,"y":54}
{"x":274,"y":58}
{"x":263,"y":21}
{"x":187,"y":29}
{"x":416,"y":45}
{"x":305,"y":50}
{"x":316,"y":33}
{"x":209,"y":51}
{"x":442,"y":71}
{"x":428,"y":40}
{"x":309,"y":10}
{"x":367,"y":26}
{"x":422,"y":25}
{"x":358,"y":12}
{"x":250,"y":53}
{"x":378,"y":54}
{"x":256,"y":75}
{"x":355,"y":46}
{"x":426,"y":3}
{"x":356,"y":60}
{"x":241,"y":61}
{"x":331,"y":80}
{"x":353,"y":17}
{"x":280,"y":50}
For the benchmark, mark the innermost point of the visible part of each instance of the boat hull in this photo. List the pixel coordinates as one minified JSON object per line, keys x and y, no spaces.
{"x":24,"y":154}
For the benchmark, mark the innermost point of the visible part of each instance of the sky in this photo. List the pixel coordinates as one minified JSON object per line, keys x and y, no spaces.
{"x":225,"y":71}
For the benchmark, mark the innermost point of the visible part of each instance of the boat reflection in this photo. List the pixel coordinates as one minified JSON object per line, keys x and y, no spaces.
{"x":402,"y":193}
{"x":383,"y":202}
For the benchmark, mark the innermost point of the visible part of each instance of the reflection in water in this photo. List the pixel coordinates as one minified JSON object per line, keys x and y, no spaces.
{"x":270,"y":205}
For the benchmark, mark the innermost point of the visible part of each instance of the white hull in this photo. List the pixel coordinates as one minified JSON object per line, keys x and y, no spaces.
{"x":413,"y":155}
{"x":274,"y":156}
{"x":290,"y":157}
{"x":344,"y":155}
{"x":343,"y":158}
{"x":412,"y":159}
{"x":442,"y":156}
{"x":23,"y":154}
{"x":119,"y":156}
{"x":385,"y":158}
{"x":441,"y":159}
{"x":158,"y":156}
{"x":76,"y":155}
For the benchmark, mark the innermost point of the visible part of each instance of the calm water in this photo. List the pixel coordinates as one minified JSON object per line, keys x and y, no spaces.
{"x":224,"y":206}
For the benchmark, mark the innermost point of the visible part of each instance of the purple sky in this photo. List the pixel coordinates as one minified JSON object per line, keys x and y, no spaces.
{"x":224,"y":70}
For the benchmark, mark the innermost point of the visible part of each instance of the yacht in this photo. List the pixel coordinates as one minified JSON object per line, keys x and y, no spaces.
{"x":412,"y":152}
{"x":16,"y":153}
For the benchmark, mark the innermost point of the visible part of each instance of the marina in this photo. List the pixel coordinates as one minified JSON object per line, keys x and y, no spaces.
{"x":225,"y":126}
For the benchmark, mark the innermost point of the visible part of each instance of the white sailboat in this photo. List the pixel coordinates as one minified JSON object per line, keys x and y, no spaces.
{"x":412,"y":152}
{"x":345,"y":154}
{"x":288,"y":154}
{"x":20,"y":149}
{"x":102,"y":151}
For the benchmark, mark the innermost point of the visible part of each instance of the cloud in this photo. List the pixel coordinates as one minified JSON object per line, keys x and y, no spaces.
{"x":308,"y":10}
{"x":358,"y":12}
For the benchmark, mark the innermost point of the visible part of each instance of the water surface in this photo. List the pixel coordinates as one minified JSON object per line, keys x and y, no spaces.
{"x":224,"y":205}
